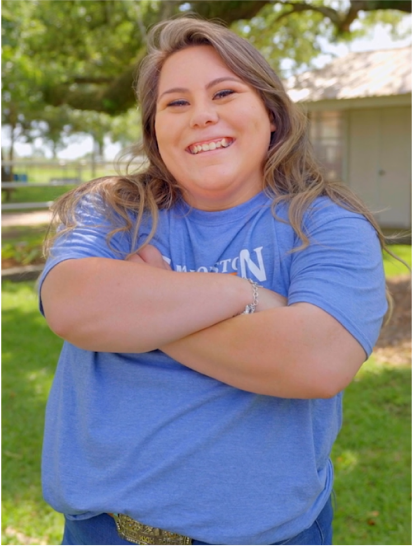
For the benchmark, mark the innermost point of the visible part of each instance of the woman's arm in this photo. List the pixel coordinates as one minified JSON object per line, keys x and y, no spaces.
{"x":102,"y":304}
{"x":298,"y":351}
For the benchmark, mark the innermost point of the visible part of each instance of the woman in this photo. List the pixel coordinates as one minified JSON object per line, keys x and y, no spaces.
{"x":202,"y":408}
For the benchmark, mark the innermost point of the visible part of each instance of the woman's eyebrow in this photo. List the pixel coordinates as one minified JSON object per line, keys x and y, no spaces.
{"x":210,"y":84}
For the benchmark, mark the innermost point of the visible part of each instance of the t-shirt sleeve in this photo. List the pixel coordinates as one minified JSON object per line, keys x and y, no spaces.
{"x":341,"y":271}
{"x":89,"y":238}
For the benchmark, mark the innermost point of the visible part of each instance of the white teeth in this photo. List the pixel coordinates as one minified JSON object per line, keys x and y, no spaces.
{"x":223,"y":143}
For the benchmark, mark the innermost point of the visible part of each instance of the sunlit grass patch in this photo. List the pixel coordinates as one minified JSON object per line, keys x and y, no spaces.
{"x":372,"y":458}
{"x":393,"y":267}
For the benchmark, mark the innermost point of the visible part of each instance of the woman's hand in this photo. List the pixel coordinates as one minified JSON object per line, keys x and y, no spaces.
{"x":150,"y":256}
{"x":267,"y":299}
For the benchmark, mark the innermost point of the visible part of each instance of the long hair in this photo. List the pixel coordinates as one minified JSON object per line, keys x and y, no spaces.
{"x":291,"y":172}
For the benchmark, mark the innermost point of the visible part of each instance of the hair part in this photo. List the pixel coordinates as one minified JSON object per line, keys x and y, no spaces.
{"x":291,"y":172}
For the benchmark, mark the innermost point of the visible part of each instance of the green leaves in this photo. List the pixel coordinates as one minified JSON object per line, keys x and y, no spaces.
{"x":82,"y":54}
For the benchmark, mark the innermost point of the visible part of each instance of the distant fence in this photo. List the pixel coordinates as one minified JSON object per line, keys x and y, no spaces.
{"x":35,"y":205}
{"x":41,"y":174}
{"x":23,"y":170}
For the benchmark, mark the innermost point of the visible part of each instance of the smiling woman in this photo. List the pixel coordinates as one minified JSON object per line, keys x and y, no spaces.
{"x":198,"y":393}
{"x":213,"y":132}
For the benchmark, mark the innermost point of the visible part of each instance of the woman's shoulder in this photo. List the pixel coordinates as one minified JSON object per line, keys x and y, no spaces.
{"x":320,"y":210}
{"x":324,"y":211}
{"x":325,"y":220}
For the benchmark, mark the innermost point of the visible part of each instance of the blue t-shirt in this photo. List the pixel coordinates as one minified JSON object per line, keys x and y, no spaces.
{"x":143,"y":435}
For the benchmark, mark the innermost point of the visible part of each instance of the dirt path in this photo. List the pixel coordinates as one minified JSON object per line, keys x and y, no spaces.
{"x":395,"y":341}
{"x":25,"y":218}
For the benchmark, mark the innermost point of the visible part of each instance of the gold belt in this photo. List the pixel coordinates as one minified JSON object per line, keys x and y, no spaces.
{"x":132,"y":530}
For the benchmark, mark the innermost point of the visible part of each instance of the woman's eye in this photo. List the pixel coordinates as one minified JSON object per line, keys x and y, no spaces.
{"x":179,"y":102}
{"x":224,"y":93}
{"x":183,"y":102}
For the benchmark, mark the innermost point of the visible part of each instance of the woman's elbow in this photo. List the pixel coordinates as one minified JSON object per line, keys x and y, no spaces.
{"x":333,"y":377}
{"x":60,"y":321}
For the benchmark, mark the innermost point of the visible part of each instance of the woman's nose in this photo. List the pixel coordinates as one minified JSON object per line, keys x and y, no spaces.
{"x":203,"y":114}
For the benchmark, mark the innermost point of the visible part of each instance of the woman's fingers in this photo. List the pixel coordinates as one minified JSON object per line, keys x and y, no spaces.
{"x":135,"y":258}
{"x":151,"y":256}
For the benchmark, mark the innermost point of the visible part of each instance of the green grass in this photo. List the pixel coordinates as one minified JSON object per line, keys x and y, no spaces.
{"x":393,"y":267}
{"x":44,"y":174}
{"x":22,"y":244}
{"x":28,"y":194}
{"x":371,"y":456}
{"x":30,"y":353}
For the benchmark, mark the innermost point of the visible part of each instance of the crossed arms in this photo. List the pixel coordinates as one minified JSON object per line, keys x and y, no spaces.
{"x":296,"y":351}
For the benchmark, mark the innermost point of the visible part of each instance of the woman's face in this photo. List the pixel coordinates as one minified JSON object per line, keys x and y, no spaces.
{"x":212,"y":128}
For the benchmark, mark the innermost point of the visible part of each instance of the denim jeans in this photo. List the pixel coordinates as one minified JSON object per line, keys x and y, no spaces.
{"x":102,"y":530}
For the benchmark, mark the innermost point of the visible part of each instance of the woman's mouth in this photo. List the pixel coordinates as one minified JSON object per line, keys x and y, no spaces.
{"x":209,"y":146}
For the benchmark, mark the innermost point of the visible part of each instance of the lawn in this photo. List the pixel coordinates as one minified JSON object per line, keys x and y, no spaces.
{"x":36,"y":194}
{"x":22,"y":245}
{"x":29,"y":354}
{"x":371,"y":457}
{"x":29,"y":193}
{"x":44,"y":174}
{"x":393,"y":267}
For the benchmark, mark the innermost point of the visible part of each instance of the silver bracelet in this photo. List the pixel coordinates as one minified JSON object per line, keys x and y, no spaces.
{"x":250,"y":308}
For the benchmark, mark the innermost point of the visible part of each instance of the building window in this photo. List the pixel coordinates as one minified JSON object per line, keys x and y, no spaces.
{"x":327,"y":137}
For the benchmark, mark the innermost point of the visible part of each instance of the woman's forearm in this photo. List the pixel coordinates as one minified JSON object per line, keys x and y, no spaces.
{"x":109,"y":305}
{"x":291,"y":352}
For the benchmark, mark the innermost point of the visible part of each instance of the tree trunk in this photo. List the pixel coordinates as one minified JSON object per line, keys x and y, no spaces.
{"x":54,"y":150}
{"x":101,"y":147}
{"x":12,"y":141}
{"x":6,"y":176}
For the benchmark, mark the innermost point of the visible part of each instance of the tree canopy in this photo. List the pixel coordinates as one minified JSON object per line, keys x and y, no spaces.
{"x":82,"y":55}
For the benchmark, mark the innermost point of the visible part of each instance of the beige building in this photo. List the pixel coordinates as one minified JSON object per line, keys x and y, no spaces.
{"x":360,"y":112}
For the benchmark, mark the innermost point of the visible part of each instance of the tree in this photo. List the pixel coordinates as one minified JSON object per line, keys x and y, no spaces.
{"x":340,"y":18}
{"x":89,"y":50}
{"x":69,"y":66}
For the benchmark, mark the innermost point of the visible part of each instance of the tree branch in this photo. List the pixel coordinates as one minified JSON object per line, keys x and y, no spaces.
{"x":343,"y":22}
{"x":371,"y":5}
{"x":350,"y":16}
{"x":115,"y":96}
{"x":113,"y":99}
{"x":298,"y":7}
{"x":91,"y":79}
{"x":230,"y":11}
{"x":168,"y":9}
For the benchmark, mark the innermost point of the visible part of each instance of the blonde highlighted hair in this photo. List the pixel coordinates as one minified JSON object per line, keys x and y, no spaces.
{"x":291,"y":172}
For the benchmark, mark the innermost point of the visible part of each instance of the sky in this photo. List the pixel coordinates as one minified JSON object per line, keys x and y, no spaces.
{"x":379,"y":39}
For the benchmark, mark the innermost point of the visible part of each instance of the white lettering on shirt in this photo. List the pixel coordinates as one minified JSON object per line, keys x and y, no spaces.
{"x":247,"y":264}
